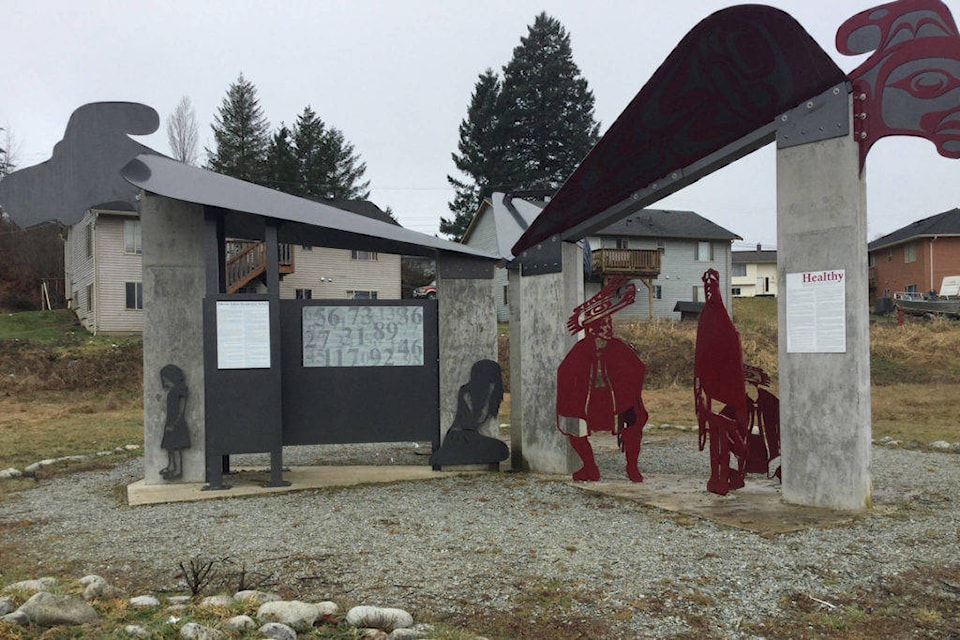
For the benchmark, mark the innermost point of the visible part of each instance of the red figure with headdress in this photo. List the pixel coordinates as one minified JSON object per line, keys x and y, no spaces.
{"x":600,"y":381}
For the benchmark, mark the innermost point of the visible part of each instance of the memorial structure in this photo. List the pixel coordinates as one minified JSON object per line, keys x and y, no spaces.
{"x":742,"y":78}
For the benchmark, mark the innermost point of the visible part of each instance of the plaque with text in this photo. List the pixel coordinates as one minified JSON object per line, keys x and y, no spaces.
{"x":243,"y":335}
{"x":816,"y":312}
{"x":363,"y":336}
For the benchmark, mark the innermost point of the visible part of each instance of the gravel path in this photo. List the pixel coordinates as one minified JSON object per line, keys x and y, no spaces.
{"x":456,"y":545}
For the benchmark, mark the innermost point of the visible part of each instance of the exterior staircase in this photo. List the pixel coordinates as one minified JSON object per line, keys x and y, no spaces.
{"x":246,"y":260}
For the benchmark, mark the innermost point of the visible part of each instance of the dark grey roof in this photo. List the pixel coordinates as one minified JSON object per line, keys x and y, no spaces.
{"x":942,"y":224}
{"x":360,"y":207}
{"x":659,"y":223}
{"x":305,"y":221}
{"x":85,"y":166}
{"x":754,"y":257}
{"x":116,"y":205}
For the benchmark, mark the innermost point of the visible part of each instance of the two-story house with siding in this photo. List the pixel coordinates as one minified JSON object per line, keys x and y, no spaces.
{"x":915,"y":258}
{"x":754,"y":273}
{"x":102,"y":267}
{"x":102,"y":261}
{"x":665,"y":252}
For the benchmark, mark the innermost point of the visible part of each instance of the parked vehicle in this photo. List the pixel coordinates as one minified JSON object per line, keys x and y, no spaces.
{"x":947,"y":303}
{"x":426,"y":291}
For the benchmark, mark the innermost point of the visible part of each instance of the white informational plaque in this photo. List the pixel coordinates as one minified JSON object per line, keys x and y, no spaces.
{"x":363,"y":336}
{"x":816,"y":312}
{"x":243,"y":334}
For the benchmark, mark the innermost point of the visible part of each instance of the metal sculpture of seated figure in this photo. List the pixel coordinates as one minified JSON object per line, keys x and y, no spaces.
{"x":478,"y":401}
{"x":600,"y":381}
{"x":176,"y":435}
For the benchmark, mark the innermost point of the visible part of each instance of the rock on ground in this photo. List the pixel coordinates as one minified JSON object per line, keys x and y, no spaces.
{"x":49,"y":610}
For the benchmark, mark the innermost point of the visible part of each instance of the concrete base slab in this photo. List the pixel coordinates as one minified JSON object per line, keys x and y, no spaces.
{"x":249,"y":482}
{"x":757,"y":507}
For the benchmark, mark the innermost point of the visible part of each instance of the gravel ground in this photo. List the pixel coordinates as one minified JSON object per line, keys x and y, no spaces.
{"x":457,"y":545}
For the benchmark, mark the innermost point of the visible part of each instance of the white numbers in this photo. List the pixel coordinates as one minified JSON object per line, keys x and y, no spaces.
{"x":362,"y":336}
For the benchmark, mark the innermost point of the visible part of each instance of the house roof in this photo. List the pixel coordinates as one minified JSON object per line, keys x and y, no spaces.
{"x":360,"y":207}
{"x":303,"y":221}
{"x":660,"y":223}
{"x":754,"y":257}
{"x":511,"y":217}
{"x":941,"y":224}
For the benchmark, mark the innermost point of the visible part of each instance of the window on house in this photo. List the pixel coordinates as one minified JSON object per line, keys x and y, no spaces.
{"x":889,"y":255}
{"x":306,"y":247}
{"x":363,"y":255}
{"x":735,"y":290}
{"x":871,"y":260}
{"x":134,"y":295}
{"x":910,"y":288}
{"x":623,"y":243}
{"x":657,"y":292}
{"x":661,"y":246}
{"x":909,"y":253}
{"x":739,"y":270}
{"x":304,"y":294}
{"x":704,"y":252}
{"x":89,"y":297}
{"x":131,"y":237}
{"x":362,"y":295}
{"x":88,"y":231}
{"x":698,"y":295}
{"x":506,"y":297}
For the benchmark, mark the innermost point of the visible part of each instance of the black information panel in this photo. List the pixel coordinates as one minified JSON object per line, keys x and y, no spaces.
{"x":359,"y":371}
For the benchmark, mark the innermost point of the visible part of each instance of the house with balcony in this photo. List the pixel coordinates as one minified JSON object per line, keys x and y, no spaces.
{"x":915,"y":258}
{"x":754,"y":273}
{"x":103,"y":258}
{"x":665,"y":252}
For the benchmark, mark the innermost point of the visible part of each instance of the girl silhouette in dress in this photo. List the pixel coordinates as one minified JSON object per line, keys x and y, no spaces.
{"x":176,"y":435}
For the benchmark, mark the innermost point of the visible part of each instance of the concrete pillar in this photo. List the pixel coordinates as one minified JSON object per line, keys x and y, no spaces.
{"x":824,"y":397}
{"x":173,"y":289}
{"x":467,"y":318}
{"x":539,"y":340}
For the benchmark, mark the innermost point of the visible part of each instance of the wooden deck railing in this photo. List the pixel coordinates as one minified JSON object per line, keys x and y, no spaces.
{"x":627,"y":262}
{"x":245,"y":261}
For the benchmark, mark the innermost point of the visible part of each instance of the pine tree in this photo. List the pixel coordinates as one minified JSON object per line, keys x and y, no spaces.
{"x":482,"y":145}
{"x":548,"y":108}
{"x":527,"y":132}
{"x":241,"y":133}
{"x":282,"y":171}
{"x":315,"y":161}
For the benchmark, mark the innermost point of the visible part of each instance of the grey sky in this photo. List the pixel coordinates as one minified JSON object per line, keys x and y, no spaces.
{"x":396,"y":77}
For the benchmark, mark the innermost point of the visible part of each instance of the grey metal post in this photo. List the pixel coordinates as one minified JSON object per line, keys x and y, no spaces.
{"x":824,"y":396}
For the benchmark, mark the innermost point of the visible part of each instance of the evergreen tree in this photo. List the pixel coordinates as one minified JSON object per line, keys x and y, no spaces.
{"x":240,"y":131}
{"x":548,"y":106}
{"x":282,"y":171}
{"x":315,"y":161}
{"x":528,"y":132}
{"x":481,"y":146}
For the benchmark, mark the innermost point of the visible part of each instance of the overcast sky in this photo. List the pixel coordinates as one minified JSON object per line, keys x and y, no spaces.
{"x":396,"y":77}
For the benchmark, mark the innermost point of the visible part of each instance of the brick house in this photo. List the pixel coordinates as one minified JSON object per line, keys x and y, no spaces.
{"x":916,"y":257}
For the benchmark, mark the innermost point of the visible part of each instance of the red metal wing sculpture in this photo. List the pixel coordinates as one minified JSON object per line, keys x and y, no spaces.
{"x":910,"y":85}
{"x":720,"y":392}
{"x":600,"y":381}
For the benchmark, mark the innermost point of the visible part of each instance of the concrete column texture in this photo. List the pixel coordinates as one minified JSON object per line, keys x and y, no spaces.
{"x":467,"y":319}
{"x":543,"y":304}
{"x":824,"y":397}
{"x":173,"y":289}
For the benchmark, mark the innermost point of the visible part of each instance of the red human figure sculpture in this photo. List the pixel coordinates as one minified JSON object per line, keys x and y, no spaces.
{"x":763,"y":439}
{"x":718,"y":381}
{"x":600,"y":381}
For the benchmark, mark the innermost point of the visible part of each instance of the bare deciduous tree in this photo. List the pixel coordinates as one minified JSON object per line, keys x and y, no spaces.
{"x":182,"y":132}
{"x":9,"y":149}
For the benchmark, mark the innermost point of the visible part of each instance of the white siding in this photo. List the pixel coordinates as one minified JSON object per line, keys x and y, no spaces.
{"x":483,"y":236}
{"x":79,"y":270}
{"x":331,"y":273}
{"x":680,"y":273}
{"x":748,"y":283}
{"x":115,"y":268}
